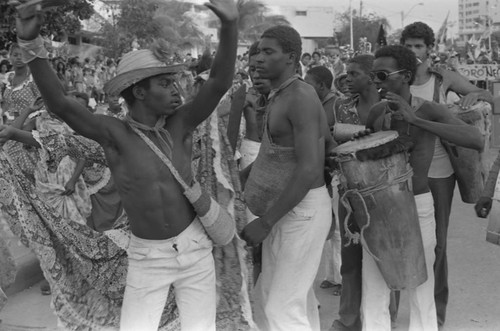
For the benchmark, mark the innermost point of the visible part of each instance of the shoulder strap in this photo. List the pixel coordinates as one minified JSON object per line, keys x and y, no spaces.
{"x":335,"y":109}
{"x":162,"y":157}
{"x":438,"y":80}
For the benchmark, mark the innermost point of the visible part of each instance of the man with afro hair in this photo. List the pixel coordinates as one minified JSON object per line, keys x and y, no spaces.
{"x":434,"y":84}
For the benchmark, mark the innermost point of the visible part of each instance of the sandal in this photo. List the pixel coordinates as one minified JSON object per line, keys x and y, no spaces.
{"x":328,"y":284}
{"x":337,"y":290}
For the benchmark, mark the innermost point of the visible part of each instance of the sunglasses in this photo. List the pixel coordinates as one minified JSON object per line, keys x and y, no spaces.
{"x":382,"y":75}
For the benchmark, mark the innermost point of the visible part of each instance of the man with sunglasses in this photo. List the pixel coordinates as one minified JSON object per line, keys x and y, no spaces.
{"x":433,"y":84}
{"x":393,"y":72}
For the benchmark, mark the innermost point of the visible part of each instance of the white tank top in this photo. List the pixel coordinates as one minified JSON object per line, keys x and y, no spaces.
{"x":440,"y":165}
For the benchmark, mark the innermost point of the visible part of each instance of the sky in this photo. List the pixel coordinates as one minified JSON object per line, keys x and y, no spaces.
{"x":432,"y":12}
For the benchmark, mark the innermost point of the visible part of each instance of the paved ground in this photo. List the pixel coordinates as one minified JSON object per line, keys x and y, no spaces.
{"x":474,"y":268}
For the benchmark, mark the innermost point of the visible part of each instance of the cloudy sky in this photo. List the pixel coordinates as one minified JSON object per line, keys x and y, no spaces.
{"x":432,"y":12}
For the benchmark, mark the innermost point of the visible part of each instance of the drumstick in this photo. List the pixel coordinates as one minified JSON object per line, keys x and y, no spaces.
{"x":30,"y":8}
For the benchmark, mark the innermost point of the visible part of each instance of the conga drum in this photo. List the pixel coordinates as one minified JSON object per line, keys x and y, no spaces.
{"x":376,"y":176}
{"x":470,"y":166}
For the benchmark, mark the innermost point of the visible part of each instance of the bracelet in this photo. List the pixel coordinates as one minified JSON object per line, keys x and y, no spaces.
{"x":32,"y":49}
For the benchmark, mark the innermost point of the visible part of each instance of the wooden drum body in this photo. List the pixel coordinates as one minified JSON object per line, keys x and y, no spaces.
{"x":470,"y":166}
{"x":380,"y":195}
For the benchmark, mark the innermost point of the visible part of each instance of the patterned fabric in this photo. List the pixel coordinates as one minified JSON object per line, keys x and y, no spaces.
{"x":217,"y":172}
{"x":20,"y":97}
{"x":86,"y":269}
{"x":8,"y":268}
{"x":55,"y":169}
{"x":347,"y":111}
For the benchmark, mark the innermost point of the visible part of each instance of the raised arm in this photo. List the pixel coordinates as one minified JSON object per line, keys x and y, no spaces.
{"x":222,"y":71}
{"x":56,"y":99}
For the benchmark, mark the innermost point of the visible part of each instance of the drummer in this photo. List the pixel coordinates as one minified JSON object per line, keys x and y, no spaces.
{"x":393,"y":72}
{"x":347,"y":112}
{"x":433,"y":84}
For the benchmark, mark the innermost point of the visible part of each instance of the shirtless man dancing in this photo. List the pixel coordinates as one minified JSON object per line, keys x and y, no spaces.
{"x":286,"y":190}
{"x":169,"y":245}
{"x":393,"y":72}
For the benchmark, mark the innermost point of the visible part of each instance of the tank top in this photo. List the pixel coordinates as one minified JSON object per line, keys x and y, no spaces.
{"x":273,"y":168}
{"x":440,"y":165}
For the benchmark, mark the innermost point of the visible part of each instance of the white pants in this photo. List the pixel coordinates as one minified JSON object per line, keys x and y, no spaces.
{"x":375,"y":295}
{"x":184,"y":261}
{"x":249,"y":150}
{"x":331,"y":252}
{"x":291,"y":254}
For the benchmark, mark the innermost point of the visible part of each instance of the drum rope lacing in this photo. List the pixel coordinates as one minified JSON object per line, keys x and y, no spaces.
{"x":357,"y":237}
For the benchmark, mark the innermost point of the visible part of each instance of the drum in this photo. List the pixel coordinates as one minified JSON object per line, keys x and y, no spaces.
{"x":470,"y":166}
{"x":493,"y":229}
{"x":376,"y":176}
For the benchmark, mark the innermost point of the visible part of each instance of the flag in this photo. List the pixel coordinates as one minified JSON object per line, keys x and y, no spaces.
{"x":487,"y":32}
{"x":381,"y":40}
{"x":441,"y":35}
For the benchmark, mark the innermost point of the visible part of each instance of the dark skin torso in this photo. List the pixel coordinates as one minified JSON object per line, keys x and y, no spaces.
{"x":281,"y":130}
{"x":152,"y":197}
{"x":423,"y":143}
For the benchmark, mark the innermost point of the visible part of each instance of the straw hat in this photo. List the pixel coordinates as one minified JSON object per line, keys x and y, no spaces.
{"x":136,"y":66}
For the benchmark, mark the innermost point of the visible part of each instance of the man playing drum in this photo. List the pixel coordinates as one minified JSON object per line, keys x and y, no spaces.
{"x":433,"y":84}
{"x":393,"y":72}
{"x":286,"y":190}
{"x":350,"y":114}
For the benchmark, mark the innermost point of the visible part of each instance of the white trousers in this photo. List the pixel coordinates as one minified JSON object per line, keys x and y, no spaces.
{"x":291,"y":254}
{"x":184,"y":261}
{"x":375,"y":295}
{"x":331,"y":252}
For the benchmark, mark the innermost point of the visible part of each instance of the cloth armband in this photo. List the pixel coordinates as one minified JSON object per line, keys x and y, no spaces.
{"x":218,"y":224}
{"x":32,"y":49}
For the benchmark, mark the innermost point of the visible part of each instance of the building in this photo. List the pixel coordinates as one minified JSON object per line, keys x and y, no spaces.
{"x":475,"y":16}
{"x":314,"y":24}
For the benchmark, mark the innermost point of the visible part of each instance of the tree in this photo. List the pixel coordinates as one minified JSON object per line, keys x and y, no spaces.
{"x":394,"y":37}
{"x":148,"y":20}
{"x":363,"y":26}
{"x":64,"y":19}
{"x":254,"y":21}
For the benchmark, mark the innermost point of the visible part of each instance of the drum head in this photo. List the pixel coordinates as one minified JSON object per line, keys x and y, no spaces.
{"x":369,"y":141}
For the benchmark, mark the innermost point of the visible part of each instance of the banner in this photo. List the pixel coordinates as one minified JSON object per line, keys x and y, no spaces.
{"x":480,"y":71}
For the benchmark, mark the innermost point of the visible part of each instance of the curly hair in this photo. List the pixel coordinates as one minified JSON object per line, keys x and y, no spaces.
{"x":405,"y":58}
{"x":254,"y":49}
{"x":364,"y":61}
{"x":287,"y":37}
{"x":418,"y":30}
{"x":320,"y":75}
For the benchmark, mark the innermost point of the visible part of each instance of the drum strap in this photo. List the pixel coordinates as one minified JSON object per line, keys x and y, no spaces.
{"x":369,"y":191}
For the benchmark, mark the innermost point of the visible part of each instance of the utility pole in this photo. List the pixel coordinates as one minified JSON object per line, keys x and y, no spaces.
{"x":350,"y":14}
{"x":361,"y":8}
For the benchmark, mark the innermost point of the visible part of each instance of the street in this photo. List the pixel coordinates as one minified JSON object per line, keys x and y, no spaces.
{"x":473,"y":264}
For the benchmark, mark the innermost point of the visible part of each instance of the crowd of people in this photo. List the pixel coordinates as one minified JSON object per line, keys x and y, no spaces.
{"x":209,"y":191}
